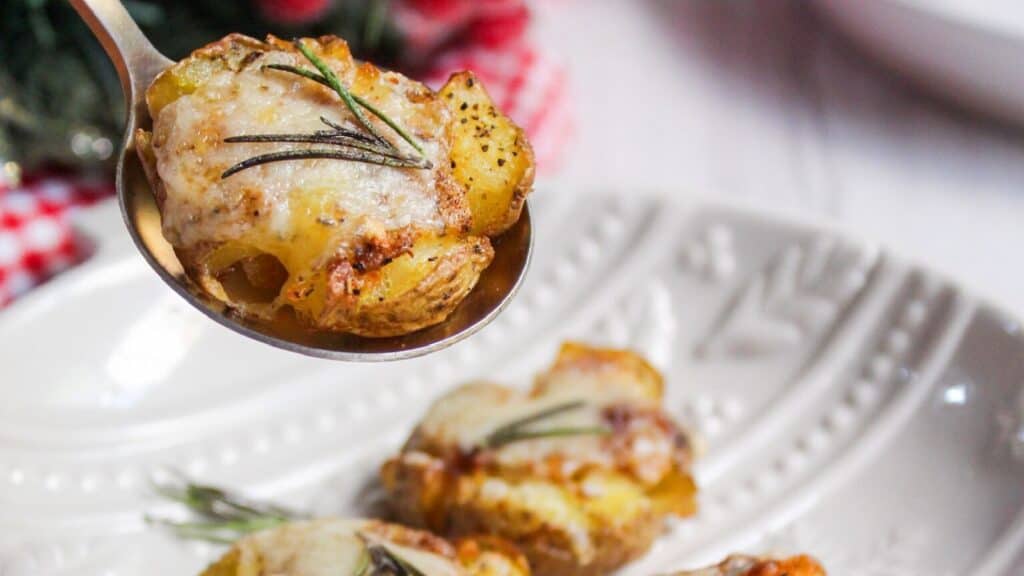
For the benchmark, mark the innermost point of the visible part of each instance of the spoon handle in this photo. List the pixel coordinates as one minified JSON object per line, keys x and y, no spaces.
{"x":135,"y":58}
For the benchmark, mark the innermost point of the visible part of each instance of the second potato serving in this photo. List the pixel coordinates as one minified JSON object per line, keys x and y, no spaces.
{"x":580,"y":472}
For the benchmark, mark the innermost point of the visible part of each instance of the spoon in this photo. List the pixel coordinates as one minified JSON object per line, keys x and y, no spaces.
{"x":138,"y":63}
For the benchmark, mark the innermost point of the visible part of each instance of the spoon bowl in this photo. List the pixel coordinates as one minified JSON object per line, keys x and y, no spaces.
{"x":138,"y":63}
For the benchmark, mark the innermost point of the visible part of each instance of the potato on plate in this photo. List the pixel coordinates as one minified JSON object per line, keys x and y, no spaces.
{"x":753,"y":566}
{"x":369,"y":214}
{"x":580,"y":472}
{"x":333,"y":547}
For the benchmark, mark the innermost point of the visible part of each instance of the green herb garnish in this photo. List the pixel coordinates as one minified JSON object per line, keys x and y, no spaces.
{"x":519,"y":429}
{"x":223,"y":517}
{"x":346,"y":153}
{"x":332,"y":80}
{"x":369,"y":147}
{"x":309,"y":74}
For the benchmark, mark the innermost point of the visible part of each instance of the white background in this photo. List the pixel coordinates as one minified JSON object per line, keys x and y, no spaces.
{"x":765,"y":103}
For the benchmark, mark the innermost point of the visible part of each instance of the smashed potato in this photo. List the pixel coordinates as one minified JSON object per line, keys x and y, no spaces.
{"x":751,"y":566}
{"x":489,"y":155}
{"x":579,"y":473}
{"x":330,"y":547}
{"x":349,"y":246}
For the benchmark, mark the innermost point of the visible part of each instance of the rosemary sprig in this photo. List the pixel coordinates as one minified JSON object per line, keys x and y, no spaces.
{"x":332,"y":80}
{"x":340,"y":131}
{"x":217,"y":502}
{"x":358,"y":99}
{"x":518,"y":429}
{"x":315,"y":153}
{"x":308,"y":74}
{"x":226,"y":517}
{"x":223,"y":517}
{"x":498,"y":441}
{"x":325,"y":138}
{"x":371,"y":148}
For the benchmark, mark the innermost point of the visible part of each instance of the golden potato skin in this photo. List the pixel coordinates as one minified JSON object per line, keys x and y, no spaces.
{"x":490,"y":156}
{"x":751,"y":566}
{"x":483,"y":555}
{"x":188,"y":75}
{"x":415,"y":290}
{"x":388,"y":289}
{"x":303,"y":548}
{"x":227,"y":565}
{"x":574,"y":505}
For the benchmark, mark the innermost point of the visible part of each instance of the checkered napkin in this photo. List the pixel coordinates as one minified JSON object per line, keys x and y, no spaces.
{"x":36,"y":237}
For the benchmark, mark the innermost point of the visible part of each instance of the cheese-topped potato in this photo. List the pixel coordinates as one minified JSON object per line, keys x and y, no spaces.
{"x":349,"y":245}
{"x":579,"y":472}
{"x":330,"y":547}
{"x":752,"y":566}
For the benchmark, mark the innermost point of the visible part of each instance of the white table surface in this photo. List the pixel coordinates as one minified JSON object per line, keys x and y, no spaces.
{"x":764,"y":103}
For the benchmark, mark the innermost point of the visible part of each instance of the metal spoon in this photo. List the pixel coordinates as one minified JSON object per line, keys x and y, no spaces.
{"x":138,"y":63}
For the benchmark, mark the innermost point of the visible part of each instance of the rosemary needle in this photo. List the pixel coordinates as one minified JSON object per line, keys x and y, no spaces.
{"x":371,"y":148}
{"x":216,"y":503}
{"x":339,"y":130}
{"x":223,"y":532}
{"x":518,"y":430}
{"x":359,"y":100}
{"x":332,"y":80}
{"x":323,"y":138}
{"x":498,"y":441}
{"x":325,"y":153}
{"x":223,"y":517}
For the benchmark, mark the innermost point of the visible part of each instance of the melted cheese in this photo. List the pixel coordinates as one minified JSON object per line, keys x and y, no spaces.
{"x":468,"y":416}
{"x":319,"y":548}
{"x":304,"y":212}
{"x":328,"y":547}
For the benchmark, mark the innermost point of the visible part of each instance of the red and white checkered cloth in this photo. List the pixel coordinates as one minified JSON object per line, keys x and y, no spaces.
{"x":36,"y":238}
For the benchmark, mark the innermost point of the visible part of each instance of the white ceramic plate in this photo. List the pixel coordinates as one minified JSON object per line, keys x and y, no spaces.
{"x":968,"y":50}
{"x":854,"y":407}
